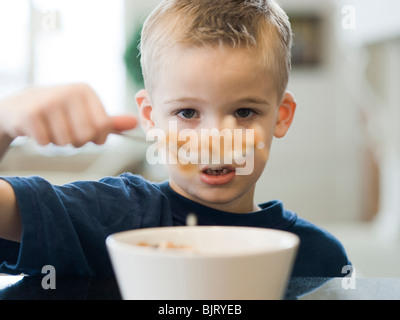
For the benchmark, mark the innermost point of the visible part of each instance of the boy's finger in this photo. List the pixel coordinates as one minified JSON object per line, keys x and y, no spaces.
{"x":79,"y":122}
{"x":123,"y":123}
{"x":37,"y":128}
{"x":58,"y":127}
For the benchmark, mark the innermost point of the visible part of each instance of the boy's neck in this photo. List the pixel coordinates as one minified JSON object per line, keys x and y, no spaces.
{"x":241,"y":205}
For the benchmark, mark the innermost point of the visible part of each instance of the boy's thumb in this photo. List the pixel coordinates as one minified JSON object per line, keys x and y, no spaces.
{"x":123,"y":123}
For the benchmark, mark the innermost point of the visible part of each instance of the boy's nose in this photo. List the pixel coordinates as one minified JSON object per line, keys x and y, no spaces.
{"x":220,"y":123}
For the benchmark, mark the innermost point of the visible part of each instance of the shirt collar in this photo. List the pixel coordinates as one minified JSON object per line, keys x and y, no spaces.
{"x":272,"y":213}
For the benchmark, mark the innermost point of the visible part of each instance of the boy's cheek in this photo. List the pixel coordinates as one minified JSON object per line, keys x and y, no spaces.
{"x":159,"y":120}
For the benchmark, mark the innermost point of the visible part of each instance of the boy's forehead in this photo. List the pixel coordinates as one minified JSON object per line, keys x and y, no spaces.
{"x":198,"y":75}
{"x":185,"y":60}
{"x":211,"y":67}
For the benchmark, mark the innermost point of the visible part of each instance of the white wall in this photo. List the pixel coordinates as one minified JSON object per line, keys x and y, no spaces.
{"x":375,"y":20}
{"x":316,"y":168}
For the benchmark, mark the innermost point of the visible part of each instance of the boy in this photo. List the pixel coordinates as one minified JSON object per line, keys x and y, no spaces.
{"x":203,"y":62}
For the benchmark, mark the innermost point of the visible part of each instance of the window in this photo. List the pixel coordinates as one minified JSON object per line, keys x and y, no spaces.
{"x":48,"y":42}
{"x":15,"y":45}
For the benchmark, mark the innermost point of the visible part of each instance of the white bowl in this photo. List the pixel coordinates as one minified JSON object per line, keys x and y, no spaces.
{"x":224,"y":263}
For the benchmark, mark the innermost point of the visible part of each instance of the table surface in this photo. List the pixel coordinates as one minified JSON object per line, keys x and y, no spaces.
{"x":103,"y":288}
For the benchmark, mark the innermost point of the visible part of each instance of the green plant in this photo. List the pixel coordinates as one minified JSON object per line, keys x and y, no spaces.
{"x":132,"y":58}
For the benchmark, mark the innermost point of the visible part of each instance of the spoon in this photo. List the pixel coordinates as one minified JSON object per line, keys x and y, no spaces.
{"x":131,"y":137}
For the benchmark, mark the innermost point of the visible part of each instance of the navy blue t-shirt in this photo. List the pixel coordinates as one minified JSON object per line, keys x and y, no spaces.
{"x":66,"y":226}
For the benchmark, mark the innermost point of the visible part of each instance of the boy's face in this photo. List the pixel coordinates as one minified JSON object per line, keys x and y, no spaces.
{"x":200,"y":88}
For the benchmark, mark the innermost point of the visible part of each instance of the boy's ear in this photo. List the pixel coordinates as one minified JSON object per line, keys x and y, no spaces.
{"x":285,"y":115}
{"x":145,"y":110}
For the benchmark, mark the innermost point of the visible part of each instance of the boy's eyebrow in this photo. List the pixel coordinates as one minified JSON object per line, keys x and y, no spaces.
{"x":250,"y":100}
{"x":185,"y":99}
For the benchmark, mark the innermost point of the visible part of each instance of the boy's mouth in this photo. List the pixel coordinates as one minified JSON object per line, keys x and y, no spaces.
{"x":217,"y":172}
{"x":220,"y":175}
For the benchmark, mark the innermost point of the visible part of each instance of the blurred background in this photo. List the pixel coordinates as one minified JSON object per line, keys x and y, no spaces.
{"x":339,"y":165}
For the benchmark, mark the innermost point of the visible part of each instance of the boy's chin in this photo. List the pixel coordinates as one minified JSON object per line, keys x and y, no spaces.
{"x":217,"y":196}
{"x":239,"y":190}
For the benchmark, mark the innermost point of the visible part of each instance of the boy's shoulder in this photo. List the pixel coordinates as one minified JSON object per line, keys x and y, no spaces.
{"x":136,"y":187}
{"x":309,"y":229}
{"x":129,"y":182}
{"x":322,"y":254}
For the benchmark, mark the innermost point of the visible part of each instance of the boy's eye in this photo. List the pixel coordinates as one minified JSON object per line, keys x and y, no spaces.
{"x":244,"y":113}
{"x":187,"y":113}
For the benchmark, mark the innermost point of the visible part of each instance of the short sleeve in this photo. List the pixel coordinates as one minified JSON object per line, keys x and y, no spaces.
{"x":66,"y":226}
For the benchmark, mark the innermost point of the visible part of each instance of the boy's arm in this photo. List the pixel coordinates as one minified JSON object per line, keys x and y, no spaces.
{"x":69,"y":114}
{"x":10,"y":220}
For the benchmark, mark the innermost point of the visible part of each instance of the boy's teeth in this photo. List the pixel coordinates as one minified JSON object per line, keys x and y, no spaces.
{"x":217,"y":172}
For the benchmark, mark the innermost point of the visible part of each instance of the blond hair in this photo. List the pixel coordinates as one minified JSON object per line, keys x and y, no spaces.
{"x":260,"y":25}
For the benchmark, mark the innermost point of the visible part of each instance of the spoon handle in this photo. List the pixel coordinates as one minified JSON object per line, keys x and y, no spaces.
{"x":131,"y":137}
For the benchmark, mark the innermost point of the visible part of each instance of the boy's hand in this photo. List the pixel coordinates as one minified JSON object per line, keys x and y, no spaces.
{"x":70,"y":114}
